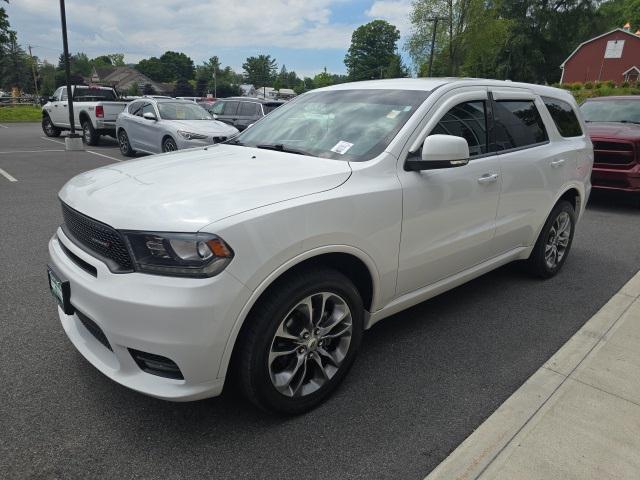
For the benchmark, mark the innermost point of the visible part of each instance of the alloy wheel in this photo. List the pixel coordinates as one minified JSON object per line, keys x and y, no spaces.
{"x":170,"y":145}
{"x":310,"y":344}
{"x":558,"y":240}
{"x":123,"y":141}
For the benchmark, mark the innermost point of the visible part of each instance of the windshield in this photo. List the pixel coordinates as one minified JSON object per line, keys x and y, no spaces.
{"x":625,"y":111}
{"x":354,"y":125}
{"x":182,"y":111}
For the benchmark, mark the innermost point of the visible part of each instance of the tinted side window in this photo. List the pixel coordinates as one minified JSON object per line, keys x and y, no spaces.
{"x":217,"y":108}
{"x":147,"y":108}
{"x":248,"y":109}
{"x":564,"y":117}
{"x":469,"y":121}
{"x":517,"y":124}
{"x":63,"y":97}
{"x":230,"y":108}
{"x":135,"y":108}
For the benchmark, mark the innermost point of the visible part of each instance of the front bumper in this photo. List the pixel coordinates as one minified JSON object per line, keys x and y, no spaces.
{"x":183,"y":143}
{"x":621,"y":179}
{"x":185,"y":320}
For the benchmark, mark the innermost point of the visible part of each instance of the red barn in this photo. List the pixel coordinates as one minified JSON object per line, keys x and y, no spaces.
{"x":612,"y":56}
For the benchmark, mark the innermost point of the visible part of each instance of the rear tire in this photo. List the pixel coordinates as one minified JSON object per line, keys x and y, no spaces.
{"x":169,"y":145}
{"x":49,"y":129}
{"x":89,"y":134}
{"x":123,"y":143}
{"x":554,"y":243}
{"x":288,"y":361}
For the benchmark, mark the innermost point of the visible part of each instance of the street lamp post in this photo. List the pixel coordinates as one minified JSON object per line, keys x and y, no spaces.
{"x":73,"y":141}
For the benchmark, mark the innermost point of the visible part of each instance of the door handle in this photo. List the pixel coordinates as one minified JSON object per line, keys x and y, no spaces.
{"x":488,"y":178}
{"x":64,"y":104}
{"x":557,"y":163}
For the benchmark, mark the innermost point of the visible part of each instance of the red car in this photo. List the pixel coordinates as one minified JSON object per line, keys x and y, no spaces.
{"x":614,"y":126}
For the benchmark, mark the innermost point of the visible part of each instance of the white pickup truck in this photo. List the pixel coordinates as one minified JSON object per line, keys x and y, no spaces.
{"x":95,"y":111}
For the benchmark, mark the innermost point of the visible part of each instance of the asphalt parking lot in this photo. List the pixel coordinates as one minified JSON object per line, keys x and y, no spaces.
{"x":424,"y":380}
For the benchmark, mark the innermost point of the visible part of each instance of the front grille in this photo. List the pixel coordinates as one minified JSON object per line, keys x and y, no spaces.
{"x":93,"y":328}
{"x":613,"y":153}
{"x":98,"y":238}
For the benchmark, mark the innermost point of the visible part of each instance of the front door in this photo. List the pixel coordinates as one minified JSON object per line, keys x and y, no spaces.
{"x":449,"y":214}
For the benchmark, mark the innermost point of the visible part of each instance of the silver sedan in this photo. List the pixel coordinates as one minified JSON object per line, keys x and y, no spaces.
{"x":154,"y":125}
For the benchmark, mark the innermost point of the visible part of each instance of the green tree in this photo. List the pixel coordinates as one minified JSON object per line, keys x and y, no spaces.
{"x":101,"y":61}
{"x":47,"y":79}
{"x":183,"y":88}
{"x":148,"y":89}
{"x":17,"y":72}
{"x":260,"y":71}
{"x":373,"y":47}
{"x":117,"y":59}
{"x":168,"y":68}
{"x":134,"y":90}
{"x":154,"y":69}
{"x":323,"y":79}
{"x":177,"y":65}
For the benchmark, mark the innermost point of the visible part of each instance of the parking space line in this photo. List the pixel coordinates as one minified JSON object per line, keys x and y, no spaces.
{"x":105,"y":156}
{"x":28,"y":151}
{"x":52,"y":140}
{"x":3,"y":126}
{"x":7,"y":176}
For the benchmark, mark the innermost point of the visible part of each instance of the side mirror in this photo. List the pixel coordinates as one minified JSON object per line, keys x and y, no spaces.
{"x":440,"y":151}
{"x":52,"y":99}
{"x":149,"y":116}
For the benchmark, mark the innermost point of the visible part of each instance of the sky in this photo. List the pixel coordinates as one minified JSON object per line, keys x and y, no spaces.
{"x":304,"y":35}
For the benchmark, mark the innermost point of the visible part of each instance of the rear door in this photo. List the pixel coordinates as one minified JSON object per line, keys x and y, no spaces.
{"x":229,"y":112}
{"x":533,"y":168}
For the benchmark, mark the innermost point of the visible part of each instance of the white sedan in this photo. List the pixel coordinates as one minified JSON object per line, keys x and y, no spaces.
{"x":155,"y":125}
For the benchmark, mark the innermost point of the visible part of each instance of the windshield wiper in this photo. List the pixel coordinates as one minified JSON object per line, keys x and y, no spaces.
{"x":233,"y":141}
{"x":629,"y":121}
{"x":283,"y":148}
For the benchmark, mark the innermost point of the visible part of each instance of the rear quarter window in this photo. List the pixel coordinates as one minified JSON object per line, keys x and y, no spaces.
{"x":564,"y":117}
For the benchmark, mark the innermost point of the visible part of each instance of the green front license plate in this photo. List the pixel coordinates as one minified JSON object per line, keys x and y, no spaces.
{"x":61,"y":290}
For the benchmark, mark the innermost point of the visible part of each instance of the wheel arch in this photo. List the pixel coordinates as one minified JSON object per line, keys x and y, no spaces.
{"x":84,"y":115}
{"x":350,"y":261}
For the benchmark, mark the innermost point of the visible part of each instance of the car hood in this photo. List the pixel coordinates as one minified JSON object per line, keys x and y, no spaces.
{"x":206,"y":127}
{"x":622,"y":131}
{"x":187,"y":190}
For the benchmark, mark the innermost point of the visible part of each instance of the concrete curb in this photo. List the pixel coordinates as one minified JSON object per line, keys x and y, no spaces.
{"x":492,"y":450}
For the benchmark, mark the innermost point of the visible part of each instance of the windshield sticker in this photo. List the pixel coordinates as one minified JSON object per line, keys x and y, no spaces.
{"x":407,"y":108}
{"x":393,"y":113}
{"x":342,"y":147}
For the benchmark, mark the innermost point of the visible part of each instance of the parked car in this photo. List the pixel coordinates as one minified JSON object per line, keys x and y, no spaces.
{"x":241,"y":112}
{"x":269,"y":255}
{"x":191,"y":99}
{"x":95,"y":111}
{"x":154,"y":125}
{"x":614,"y":126}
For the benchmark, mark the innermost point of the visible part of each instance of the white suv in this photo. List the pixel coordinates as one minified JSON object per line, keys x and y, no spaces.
{"x":267,"y":256}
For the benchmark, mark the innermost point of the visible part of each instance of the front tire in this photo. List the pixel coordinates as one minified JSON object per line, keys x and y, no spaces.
{"x":169,"y":145}
{"x":123,"y":143}
{"x":49,"y":129}
{"x":554,"y":243}
{"x":89,"y":134}
{"x":300,"y":341}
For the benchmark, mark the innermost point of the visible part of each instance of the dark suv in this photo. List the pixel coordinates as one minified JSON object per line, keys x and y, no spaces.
{"x":241,"y":111}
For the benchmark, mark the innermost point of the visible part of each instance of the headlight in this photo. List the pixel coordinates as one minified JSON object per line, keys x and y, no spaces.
{"x":179,"y":254}
{"x":191,"y":135}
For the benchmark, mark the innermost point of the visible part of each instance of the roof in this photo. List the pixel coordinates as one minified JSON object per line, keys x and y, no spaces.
{"x":632,"y":68}
{"x":252,"y":99}
{"x":430,"y":84}
{"x":598,"y":38}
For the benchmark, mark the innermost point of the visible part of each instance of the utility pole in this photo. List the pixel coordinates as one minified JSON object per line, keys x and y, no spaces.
{"x":73,"y":141}
{"x":435,"y":21}
{"x":35,"y":73}
{"x":215,"y":83}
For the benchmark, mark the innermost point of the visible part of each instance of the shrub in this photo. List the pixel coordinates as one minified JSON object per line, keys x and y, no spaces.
{"x":588,"y":85}
{"x":598,"y":85}
{"x":625,"y":84}
{"x":610,"y":84}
